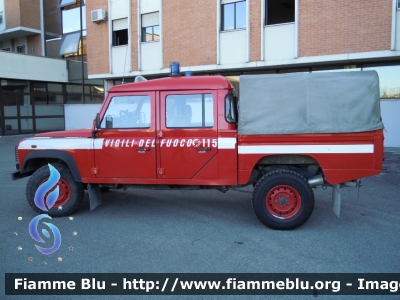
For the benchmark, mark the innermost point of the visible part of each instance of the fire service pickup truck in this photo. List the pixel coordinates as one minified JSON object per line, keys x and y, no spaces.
{"x":284,"y":134}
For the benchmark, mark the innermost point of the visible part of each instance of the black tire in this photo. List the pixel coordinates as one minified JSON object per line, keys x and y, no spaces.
{"x":70,"y":196}
{"x":290,"y":200}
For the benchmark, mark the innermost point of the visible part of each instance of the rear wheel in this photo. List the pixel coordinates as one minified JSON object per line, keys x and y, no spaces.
{"x":283,"y":199}
{"x":70,"y":194}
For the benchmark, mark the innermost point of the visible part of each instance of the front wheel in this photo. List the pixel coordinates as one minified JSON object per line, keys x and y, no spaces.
{"x":70,"y":192}
{"x":283,"y":199}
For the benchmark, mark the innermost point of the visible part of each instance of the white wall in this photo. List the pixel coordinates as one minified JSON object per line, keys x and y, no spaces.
{"x":390,"y":110}
{"x":120,"y":55}
{"x":148,"y":6}
{"x":233,"y":47}
{"x":119,"y":9}
{"x":29,"y":67}
{"x":150,"y":53}
{"x":151,"y":58}
{"x":121,"y":59}
{"x":279,"y":42}
{"x":80,"y":115}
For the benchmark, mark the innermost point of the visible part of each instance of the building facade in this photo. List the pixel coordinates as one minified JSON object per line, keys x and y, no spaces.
{"x":43,"y":65}
{"x":234,"y":37}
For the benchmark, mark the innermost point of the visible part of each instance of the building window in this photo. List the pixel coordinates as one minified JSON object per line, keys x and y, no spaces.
{"x":120,"y":37}
{"x":150,"y":27}
{"x":17,"y":86}
{"x":190,"y":111}
{"x":279,"y":11}
{"x":40,"y":87}
{"x":97,"y":93}
{"x":71,"y":20}
{"x":233,"y":15}
{"x":120,"y":32}
{"x":73,"y":39}
{"x":64,"y":3}
{"x":70,"y":43}
{"x":21,"y":49}
{"x":49,"y":124}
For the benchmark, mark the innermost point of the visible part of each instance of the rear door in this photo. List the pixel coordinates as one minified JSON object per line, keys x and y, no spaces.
{"x":125,"y":143}
{"x":187,"y":138}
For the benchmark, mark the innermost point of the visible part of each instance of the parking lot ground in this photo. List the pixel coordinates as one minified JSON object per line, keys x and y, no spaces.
{"x":138,"y":231}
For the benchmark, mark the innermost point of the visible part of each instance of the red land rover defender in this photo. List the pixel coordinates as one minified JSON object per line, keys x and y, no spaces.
{"x":284,"y":135}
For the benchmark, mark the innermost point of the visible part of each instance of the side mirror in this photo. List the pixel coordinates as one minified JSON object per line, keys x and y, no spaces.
{"x":109,"y":122}
{"x":234,"y":111}
{"x":96,"y":125}
{"x":97,"y":121}
{"x":231,"y":109}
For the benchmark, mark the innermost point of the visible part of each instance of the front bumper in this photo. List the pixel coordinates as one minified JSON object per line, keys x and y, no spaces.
{"x":18,"y":175}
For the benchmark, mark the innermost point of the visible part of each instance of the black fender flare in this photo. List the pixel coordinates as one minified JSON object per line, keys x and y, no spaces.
{"x":57,"y":154}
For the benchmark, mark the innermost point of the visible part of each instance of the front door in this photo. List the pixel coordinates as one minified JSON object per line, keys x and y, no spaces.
{"x":17,"y":113}
{"x":125,"y":143}
{"x":187,"y":137}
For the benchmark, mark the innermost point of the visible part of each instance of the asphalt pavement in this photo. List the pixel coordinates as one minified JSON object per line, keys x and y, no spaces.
{"x":145,"y":231}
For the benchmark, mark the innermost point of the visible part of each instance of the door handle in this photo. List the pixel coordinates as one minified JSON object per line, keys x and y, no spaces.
{"x":143,"y":149}
{"x":203,"y":149}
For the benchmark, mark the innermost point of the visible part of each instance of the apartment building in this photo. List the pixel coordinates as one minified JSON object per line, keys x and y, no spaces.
{"x":234,"y":37}
{"x":43,"y":65}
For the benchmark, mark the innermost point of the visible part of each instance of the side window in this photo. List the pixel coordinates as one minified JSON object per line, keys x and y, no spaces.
{"x":190,"y":111}
{"x":127,"y":112}
{"x":233,"y":15}
{"x":279,"y":12}
{"x":150,"y":27}
{"x":120,"y":32}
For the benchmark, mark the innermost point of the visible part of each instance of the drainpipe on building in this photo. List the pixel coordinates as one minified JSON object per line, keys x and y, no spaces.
{"x":161,"y":36}
{"x":262,"y":29}
{"x":82,"y":64}
{"x":296,"y":30}
{"x":42,"y":30}
{"x":248,"y":30}
{"x":139,"y":35}
{"x":393,"y":38}
{"x":218,"y":28}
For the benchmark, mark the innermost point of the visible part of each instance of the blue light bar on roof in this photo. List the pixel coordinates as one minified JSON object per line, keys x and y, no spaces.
{"x":174,"y":69}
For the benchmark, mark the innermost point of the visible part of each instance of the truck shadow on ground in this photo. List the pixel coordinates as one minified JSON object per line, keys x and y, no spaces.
{"x":233,"y":208}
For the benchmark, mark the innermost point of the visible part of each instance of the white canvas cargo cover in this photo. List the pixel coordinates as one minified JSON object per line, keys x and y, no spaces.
{"x":309,"y":103}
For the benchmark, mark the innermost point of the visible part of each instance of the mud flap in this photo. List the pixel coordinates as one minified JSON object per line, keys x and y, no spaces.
{"x":94,"y":195}
{"x":336,"y":199}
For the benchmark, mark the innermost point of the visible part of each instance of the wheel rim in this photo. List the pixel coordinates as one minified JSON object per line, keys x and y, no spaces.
{"x":63,"y":196}
{"x":283,"y":201}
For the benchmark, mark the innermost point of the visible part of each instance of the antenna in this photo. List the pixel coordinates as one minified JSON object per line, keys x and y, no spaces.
{"x":123,"y":74}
